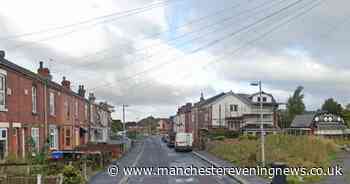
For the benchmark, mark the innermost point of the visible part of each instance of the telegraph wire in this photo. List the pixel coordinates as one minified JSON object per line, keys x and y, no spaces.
{"x":210,"y":44}
{"x":198,"y":36}
{"x":120,"y":14}
{"x":251,"y":42}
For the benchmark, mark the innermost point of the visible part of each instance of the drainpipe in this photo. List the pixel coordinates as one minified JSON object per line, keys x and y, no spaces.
{"x":45,"y":112}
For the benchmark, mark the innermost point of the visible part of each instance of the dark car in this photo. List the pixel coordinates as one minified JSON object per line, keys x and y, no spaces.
{"x":171,"y":140}
{"x":165,"y":138}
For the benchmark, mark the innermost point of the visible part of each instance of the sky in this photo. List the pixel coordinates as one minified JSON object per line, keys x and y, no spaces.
{"x":158,"y":55}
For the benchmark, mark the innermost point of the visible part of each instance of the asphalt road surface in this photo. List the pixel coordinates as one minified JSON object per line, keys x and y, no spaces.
{"x":152,"y":152}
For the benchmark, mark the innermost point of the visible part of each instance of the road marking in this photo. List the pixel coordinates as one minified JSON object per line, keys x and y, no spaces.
{"x":125,"y":179}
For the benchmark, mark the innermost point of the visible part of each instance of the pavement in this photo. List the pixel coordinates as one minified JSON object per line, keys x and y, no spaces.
{"x":222,"y":163}
{"x":343,"y":160}
{"x":152,"y":152}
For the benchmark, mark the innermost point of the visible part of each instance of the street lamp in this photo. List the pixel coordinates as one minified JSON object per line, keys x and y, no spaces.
{"x":262,"y":133}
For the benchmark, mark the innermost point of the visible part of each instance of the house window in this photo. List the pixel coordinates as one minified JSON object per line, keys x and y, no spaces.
{"x":36,"y":138}
{"x":234,"y":108}
{"x":2,"y":91}
{"x":206,"y":117}
{"x":66,"y":108}
{"x":67,"y":137}
{"x":86,"y":111}
{"x":91,"y":114}
{"x":3,"y":143}
{"x":34,"y":99}
{"x":53,"y":138}
{"x":259,"y":99}
{"x":99,"y":134}
{"x":52,"y":104}
{"x":76,"y":108}
{"x":264,"y":99}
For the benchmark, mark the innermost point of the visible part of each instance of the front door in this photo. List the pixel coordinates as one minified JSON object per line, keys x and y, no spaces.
{"x":3,"y":143}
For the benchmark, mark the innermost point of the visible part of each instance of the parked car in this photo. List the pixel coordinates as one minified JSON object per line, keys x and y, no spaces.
{"x":165,"y":138}
{"x":171,"y":139}
{"x":183,"y":142}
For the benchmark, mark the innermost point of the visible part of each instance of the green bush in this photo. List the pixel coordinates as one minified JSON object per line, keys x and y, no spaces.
{"x":219,"y":138}
{"x":232,"y":134}
{"x":248,"y":137}
{"x":71,"y":175}
{"x":293,"y":180}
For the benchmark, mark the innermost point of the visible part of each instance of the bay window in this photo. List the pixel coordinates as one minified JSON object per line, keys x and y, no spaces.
{"x":36,"y":139}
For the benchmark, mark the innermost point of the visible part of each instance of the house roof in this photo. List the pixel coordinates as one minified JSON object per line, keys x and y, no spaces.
{"x":245,"y":98}
{"x":211,"y":99}
{"x":302,"y":121}
{"x":35,"y":76}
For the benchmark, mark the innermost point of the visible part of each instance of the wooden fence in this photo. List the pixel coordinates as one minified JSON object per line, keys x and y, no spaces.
{"x":30,"y":180}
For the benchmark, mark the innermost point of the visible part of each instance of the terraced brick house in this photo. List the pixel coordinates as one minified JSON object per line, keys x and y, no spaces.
{"x":36,"y":111}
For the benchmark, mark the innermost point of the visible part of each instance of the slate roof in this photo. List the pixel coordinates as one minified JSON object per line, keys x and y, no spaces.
{"x":302,"y":121}
{"x":246,"y":98}
{"x":211,"y":99}
{"x":33,"y":75}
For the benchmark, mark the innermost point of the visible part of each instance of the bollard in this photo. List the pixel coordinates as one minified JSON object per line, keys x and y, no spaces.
{"x":38,"y":179}
{"x":279,"y":178}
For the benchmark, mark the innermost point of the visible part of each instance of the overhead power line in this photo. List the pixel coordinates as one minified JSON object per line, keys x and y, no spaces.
{"x":118,"y":14}
{"x":198,"y":30}
{"x":283,"y":22}
{"x":210,"y":44}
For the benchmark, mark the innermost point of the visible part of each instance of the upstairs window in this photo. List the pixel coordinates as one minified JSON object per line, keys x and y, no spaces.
{"x":66,"y":109}
{"x":2,"y":91}
{"x":76,"y":109}
{"x":264,"y":99}
{"x":86,"y":111}
{"x":34,"y":100}
{"x":234,"y":108}
{"x":259,"y":99}
{"x":52,"y":104}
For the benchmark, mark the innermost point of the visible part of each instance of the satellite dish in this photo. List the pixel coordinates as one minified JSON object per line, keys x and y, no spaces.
{"x":317,"y":119}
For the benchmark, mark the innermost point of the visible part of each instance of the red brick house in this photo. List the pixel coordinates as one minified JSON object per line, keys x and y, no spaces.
{"x":34,"y":110}
{"x":164,"y":125}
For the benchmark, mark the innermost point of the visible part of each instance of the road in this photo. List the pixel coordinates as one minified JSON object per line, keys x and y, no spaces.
{"x":154,"y":153}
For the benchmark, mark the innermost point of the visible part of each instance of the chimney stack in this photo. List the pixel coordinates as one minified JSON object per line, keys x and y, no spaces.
{"x":202,"y":97}
{"x":81,"y":91}
{"x":65,"y":83}
{"x":2,"y":54}
{"x":44,"y":72}
{"x":92,"y":97}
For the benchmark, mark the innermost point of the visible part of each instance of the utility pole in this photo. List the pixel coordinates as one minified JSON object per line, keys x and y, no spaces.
{"x":262,"y":128}
{"x":124,"y":105}
{"x":124,"y":129}
{"x":262,"y":132}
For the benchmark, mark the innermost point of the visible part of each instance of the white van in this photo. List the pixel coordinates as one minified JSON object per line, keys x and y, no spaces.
{"x":183,"y":141}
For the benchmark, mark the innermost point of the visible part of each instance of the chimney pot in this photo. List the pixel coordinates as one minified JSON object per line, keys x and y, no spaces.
{"x":65,"y":83}
{"x":41,"y":65}
{"x":2,"y":54}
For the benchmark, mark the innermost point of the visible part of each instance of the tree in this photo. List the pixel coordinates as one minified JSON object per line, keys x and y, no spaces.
{"x":295,"y":105}
{"x":346,"y":115}
{"x":332,"y":106}
{"x":116,"y":126}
